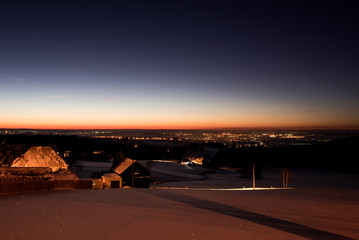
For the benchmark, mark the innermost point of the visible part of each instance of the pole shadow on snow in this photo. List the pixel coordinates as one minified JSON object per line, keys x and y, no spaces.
{"x":283,"y":225}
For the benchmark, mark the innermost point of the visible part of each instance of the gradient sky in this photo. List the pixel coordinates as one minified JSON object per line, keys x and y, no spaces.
{"x":179,"y":64}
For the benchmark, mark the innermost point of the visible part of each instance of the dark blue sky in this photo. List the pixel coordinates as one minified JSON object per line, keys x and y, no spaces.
{"x":177,"y":64}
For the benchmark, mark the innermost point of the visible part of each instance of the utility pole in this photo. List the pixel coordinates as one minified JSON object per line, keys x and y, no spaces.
{"x":133,"y":173}
{"x":254,"y":176}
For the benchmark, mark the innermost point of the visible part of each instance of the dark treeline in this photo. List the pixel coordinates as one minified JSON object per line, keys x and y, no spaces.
{"x":335,"y":155}
{"x":85,"y":148}
{"x":339,"y":154}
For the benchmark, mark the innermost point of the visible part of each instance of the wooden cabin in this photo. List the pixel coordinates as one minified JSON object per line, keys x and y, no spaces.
{"x":133,"y":174}
{"x":111,"y":180}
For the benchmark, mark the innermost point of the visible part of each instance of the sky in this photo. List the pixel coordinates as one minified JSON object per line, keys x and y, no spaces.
{"x":179,"y":64}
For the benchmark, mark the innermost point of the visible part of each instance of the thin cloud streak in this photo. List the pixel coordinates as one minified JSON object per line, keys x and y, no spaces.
{"x":109,"y":99}
{"x":52,"y":97}
{"x":195,"y":112}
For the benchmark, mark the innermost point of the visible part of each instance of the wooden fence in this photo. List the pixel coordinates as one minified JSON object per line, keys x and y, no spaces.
{"x":34,"y":186}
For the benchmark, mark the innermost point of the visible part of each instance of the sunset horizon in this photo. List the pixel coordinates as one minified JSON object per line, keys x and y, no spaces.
{"x":185,"y":65}
{"x":222,"y":128}
{"x":179,"y":119}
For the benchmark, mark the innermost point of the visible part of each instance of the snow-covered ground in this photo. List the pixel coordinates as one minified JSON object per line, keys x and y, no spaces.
{"x":322,"y":205}
{"x":86,"y":168}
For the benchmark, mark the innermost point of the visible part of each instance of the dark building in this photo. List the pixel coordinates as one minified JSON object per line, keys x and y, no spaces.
{"x":133,"y":174}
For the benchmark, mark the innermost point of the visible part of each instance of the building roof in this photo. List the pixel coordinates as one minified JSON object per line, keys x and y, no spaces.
{"x":125,"y":164}
{"x":40,"y":157}
{"x":110,"y":176}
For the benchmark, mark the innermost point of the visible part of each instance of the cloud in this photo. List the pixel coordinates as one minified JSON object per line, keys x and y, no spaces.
{"x":52,"y":97}
{"x":311,"y":111}
{"x":290,"y":112}
{"x":109,"y":99}
{"x":71,"y":90}
{"x":194,"y":112}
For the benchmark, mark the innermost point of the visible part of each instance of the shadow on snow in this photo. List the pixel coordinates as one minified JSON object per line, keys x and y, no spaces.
{"x":283,"y":225}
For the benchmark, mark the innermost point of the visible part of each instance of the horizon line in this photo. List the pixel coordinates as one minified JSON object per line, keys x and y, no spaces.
{"x":197,"y":129}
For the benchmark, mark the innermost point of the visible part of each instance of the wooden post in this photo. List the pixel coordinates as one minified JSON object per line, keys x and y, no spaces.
{"x":254,"y":176}
{"x":285,"y":177}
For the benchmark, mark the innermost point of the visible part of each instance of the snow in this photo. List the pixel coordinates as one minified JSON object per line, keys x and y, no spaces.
{"x":41,"y":156}
{"x":170,"y":171}
{"x":321,"y":205}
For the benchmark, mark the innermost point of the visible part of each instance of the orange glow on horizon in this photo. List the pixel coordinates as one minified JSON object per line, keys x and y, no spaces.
{"x":179,"y":127}
{"x":260,"y":122}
